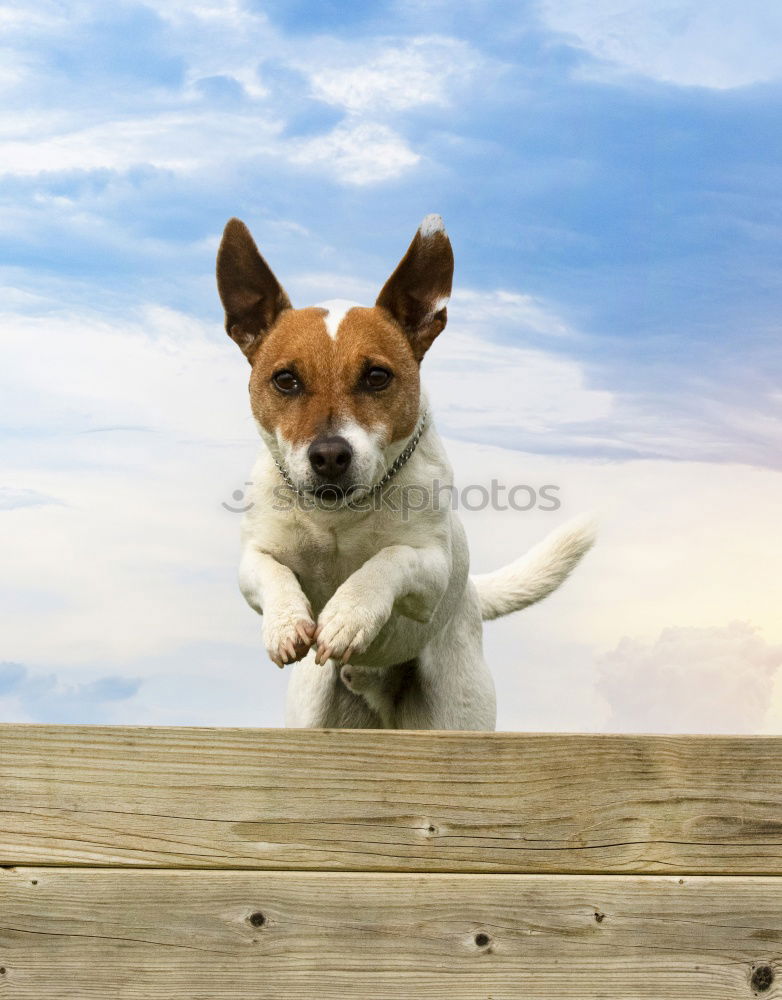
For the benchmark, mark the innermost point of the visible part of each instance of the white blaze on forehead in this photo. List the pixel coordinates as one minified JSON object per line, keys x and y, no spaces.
{"x":336,"y":310}
{"x":432,"y":224}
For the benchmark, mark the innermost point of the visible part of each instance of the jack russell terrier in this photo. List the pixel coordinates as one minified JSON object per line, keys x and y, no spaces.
{"x":373,"y":604}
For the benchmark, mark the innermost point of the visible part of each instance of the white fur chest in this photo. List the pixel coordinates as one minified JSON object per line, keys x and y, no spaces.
{"x":325,"y":548}
{"x":324,"y":551}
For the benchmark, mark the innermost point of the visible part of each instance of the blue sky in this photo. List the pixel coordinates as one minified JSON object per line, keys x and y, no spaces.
{"x":608,"y":172}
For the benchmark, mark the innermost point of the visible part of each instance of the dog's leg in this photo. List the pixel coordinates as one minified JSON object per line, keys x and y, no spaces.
{"x":318,"y":698}
{"x":371,"y":683}
{"x":452,"y":687}
{"x":272,"y":590}
{"x":417,"y":578}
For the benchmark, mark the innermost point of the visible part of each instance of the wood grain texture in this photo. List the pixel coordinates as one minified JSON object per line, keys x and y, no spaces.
{"x":389,"y":801}
{"x":81,"y":934}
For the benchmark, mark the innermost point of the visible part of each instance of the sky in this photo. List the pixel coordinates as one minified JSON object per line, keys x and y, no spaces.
{"x":608,"y":172}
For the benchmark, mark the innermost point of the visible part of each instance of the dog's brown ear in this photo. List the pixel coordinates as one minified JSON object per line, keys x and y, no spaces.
{"x":251,"y":295}
{"x":417,"y":292}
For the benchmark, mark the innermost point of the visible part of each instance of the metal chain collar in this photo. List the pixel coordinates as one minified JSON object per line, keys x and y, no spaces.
{"x":402,"y":459}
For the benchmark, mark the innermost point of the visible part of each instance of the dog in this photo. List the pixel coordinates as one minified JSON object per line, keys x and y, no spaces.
{"x":374,"y":606}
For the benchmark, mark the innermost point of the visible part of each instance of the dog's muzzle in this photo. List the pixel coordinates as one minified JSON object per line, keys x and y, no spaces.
{"x":330,"y":459}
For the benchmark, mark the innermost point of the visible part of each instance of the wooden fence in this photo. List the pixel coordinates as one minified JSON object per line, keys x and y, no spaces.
{"x":205,"y":864}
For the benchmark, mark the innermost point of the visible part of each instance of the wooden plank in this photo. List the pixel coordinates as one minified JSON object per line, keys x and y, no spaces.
{"x":186,"y":935}
{"x":389,"y":801}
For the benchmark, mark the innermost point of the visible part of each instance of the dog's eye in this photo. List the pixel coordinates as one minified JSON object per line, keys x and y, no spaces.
{"x":287,"y":382}
{"x":377,"y":378}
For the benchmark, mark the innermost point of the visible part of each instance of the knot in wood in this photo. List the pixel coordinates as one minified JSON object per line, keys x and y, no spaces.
{"x":762,"y":978}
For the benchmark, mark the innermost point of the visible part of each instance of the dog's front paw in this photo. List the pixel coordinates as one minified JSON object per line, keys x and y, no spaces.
{"x":288,"y":634}
{"x":347,"y":626}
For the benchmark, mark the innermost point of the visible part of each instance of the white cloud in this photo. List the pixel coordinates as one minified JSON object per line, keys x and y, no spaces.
{"x":11,"y":499}
{"x":480,"y":384}
{"x":173,"y":141}
{"x":226,"y":39}
{"x":352,"y":153}
{"x":421,"y":71}
{"x":358,"y":153}
{"x":708,"y":680}
{"x":355,"y":152}
{"x":145,"y":372}
{"x":507,"y":366}
{"x":478,"y":379}
{"x":318,"y":286}
{"x":140,"y":429}
{"x":171,"y":128}
{"x":393,"y":78}
{"x":705,"y":43}
{"x":495,"y":312}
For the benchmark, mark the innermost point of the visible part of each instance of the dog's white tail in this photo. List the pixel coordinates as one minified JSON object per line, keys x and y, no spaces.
{"x":538,"y":572}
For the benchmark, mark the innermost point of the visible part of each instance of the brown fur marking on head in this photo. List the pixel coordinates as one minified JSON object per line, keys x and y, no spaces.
{"x":330,"y":371}
{"x":394,"y":334}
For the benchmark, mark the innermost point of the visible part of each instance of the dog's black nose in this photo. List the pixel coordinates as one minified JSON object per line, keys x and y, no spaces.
{"x":330,"y":457}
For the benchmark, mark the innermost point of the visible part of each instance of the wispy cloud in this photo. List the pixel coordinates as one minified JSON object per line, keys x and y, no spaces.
{"x":40,"y":697}
{"x":169,"y":141}
{"x":188,"y":121}
{"x":11,"y":498}
{"x":716,"y":44}
{"x":397,"y":77}
{"x":357,"y":153}
{"x":229,"y":40}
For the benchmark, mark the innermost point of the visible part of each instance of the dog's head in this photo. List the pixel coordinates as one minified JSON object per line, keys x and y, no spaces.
{"x":333,"y":387}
